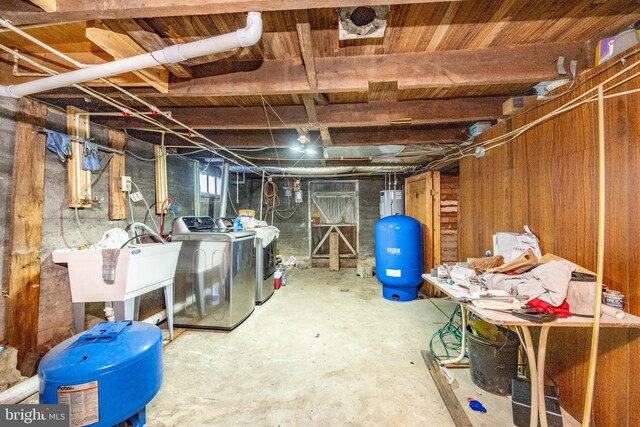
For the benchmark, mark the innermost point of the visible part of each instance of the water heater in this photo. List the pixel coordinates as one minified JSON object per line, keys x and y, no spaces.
{"x":391,"y":203}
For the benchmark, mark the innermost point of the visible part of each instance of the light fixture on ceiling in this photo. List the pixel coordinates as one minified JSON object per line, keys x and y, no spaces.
{"x":302,"y":145}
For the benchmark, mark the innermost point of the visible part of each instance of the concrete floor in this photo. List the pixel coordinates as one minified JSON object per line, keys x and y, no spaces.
{"x":326,"y":350}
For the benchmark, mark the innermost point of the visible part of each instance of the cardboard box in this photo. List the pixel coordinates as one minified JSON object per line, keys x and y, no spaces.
{"x":516,"y":103}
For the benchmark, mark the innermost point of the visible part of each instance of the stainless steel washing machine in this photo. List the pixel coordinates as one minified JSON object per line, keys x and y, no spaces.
{"x":215,"y":282}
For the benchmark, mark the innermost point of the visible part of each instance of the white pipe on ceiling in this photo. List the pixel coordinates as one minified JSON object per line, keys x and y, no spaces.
{"x":243,"y":37}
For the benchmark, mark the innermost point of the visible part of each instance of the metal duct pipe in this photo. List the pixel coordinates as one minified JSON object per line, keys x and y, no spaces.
{"x":243,"y":37}
{"x":224,"y":191}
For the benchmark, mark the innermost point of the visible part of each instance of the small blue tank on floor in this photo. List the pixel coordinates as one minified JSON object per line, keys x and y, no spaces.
{"x":106,"y":375}
{"x":398,"y":241}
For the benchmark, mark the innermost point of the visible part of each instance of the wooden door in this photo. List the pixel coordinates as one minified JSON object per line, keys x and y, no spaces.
{"x":333,"y":207}
{"x":422,"y":202}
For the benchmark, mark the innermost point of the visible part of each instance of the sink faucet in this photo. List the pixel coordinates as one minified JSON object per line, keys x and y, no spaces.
{"x":131,"y":231}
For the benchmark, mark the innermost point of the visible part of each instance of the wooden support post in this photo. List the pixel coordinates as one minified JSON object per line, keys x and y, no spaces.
{"x":22,"y":291}
{"x":334,"y":251}
{"x":117,"y":201}
{"x":162,"y":192}
{"x":79,"y":179}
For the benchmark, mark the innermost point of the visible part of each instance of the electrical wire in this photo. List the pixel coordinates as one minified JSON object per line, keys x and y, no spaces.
{"x":165,"y":201}
{"x":514,"y":134}
{"x":143,"y":159}
{"x":147,"y":206}
{"x":133,"y":112}
{"x":232,"y":205}
{"x":271,"y":201}
{"x":273,"y":141}
{"x":130,"y":207}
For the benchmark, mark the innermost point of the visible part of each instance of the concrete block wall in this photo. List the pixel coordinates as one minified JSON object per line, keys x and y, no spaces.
{"x":60,"y":227}
{"x":294,"y":232}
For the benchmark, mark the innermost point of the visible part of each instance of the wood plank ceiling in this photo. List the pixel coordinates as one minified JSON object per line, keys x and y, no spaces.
{"x":440,"y":66}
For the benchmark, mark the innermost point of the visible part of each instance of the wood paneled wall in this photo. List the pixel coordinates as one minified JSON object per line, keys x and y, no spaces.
{"x":547,"y":178}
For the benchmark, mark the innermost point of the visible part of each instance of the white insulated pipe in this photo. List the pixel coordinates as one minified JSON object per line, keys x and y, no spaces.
{"x":243,"y":37}
{"x":20,"y":391}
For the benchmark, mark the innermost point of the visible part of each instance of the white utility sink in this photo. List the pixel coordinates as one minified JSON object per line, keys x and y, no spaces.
{"x":140,"y":268}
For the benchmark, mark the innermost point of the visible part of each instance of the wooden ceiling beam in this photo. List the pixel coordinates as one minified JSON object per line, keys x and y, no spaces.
{"x":442,"y":69}
{"x":144,"y":35}
{"x":310,"y":108}
{"x":417,"y":135}
{"x":511,"y":64}
{"x":55,"y":63}
{"x":46,"y":5}
{"x":303,"y":28}
{"x":422,"y":112}
{"x":120,"y":46}
{"x":75,"y":10}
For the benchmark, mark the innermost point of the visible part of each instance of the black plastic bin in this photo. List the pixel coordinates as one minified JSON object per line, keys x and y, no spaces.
{"x":493,"y":364}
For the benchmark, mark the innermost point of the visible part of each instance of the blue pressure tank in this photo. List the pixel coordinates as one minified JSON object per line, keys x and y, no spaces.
{"x":106,"y":375}
{"x":398,"y":241}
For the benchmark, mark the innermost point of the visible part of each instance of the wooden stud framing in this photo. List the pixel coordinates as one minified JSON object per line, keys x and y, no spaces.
{"x":162,"y":192}
{"x":22,"y":290}
{"x":117,"y":201}
{"x":79,"y":180}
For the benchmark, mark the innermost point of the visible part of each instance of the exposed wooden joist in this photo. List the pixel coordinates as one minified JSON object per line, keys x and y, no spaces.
{"x":145,"y":36}
{"x":303,"y":28}
{"x":310,"y":108}
{"x":55,"y":63}
{"x":417,"y":135}
{"x":511,"y":64}
{"x":431,"y":111}
{"x":122,"y":46}
{"x":326,"y":137}
{"x":46,"y":5}
{"x":75,"y":10}
{"x":22,"y":291}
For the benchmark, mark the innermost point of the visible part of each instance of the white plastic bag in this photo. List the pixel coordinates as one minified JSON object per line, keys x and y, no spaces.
{"x":511,"y":245}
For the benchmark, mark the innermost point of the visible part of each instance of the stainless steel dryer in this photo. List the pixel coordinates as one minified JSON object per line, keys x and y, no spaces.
{"x":215,"y":277}
{"x":265,"y":268}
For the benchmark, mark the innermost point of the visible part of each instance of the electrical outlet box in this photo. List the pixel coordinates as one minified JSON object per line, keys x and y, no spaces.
{"x":125,"y":183}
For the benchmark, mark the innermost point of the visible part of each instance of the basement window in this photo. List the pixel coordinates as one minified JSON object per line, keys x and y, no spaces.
{"x":210,"y":182}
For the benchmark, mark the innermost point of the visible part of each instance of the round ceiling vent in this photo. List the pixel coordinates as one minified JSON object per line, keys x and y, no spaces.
{"x":362,"y":16}
{"x":362,"y":22}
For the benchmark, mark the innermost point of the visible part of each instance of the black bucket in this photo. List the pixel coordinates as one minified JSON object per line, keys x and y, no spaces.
{"x":493,"y":364}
